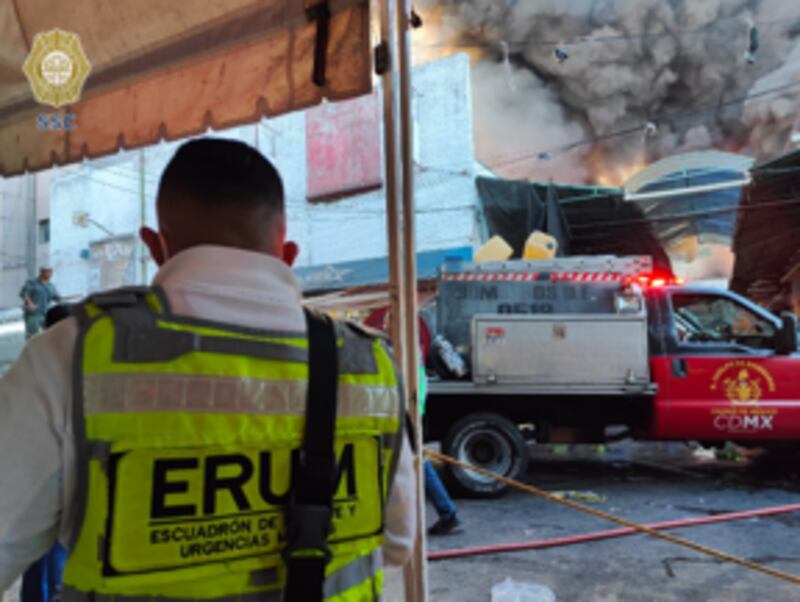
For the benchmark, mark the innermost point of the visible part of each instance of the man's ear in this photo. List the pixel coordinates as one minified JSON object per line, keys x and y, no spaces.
{"x":152,"y":239}
{"x":290,"y":252}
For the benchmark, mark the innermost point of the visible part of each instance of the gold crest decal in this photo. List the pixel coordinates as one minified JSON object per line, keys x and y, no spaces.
{"x":743,"y":382}
{"x":57,"y":67}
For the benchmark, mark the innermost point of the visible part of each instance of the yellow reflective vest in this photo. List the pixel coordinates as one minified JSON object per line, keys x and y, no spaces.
{"x":186,"y":430}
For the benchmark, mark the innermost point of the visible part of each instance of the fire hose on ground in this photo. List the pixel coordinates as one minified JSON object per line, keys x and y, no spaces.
{"x":629,"y":527}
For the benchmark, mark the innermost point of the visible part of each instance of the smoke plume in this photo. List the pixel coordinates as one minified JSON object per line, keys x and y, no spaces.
{"x":671,"y":73}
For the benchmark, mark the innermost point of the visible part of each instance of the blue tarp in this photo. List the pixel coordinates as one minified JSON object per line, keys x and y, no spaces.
{"x":366,"y":272}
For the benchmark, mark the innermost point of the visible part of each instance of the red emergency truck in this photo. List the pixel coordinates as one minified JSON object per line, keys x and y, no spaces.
{"x":573,"y":349}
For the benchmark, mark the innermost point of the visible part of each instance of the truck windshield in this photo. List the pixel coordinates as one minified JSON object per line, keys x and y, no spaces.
{"x":711,"y":319}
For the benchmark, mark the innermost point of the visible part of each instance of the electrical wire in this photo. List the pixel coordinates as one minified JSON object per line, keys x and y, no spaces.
{"x":711,"y":28}
{"x":639,"y":128}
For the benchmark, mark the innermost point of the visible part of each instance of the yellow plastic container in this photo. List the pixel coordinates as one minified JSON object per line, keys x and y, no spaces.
{"x":540,"y":246}
{"x":494,"y":249}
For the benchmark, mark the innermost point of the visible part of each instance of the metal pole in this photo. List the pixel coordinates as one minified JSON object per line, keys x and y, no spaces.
{"x":31,"y":225}
{"x":415,"y":571}
{"x":393,"y":173}
{"x":400,"y":234}
{"x":142,"y":217}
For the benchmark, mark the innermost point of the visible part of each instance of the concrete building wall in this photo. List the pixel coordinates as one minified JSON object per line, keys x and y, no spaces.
{"x":23,"y":203}
{"x":355,"y":227}
{"x":108,"y":191}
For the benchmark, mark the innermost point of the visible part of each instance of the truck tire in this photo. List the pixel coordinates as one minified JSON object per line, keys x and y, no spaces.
{"x":488,"y":441}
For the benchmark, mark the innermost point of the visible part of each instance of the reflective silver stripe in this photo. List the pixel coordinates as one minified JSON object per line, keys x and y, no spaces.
{"x":141,"y":392}
{"x":70,"y":594}
{"x":353,"y":573}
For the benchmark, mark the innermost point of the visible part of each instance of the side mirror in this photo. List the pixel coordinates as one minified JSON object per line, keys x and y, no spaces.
{"x":786,"y":337}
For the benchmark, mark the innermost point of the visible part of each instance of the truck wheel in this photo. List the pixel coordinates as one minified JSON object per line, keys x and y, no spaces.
{"x":487,"y":441}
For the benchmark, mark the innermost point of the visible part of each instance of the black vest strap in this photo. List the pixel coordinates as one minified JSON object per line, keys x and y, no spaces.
{"x":311,"y":508}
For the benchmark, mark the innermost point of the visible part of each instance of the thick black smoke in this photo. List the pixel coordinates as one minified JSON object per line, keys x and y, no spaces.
{"x":673,"y":72}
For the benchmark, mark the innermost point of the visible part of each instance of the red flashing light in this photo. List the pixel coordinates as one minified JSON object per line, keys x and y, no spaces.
{"x":652,"y":280}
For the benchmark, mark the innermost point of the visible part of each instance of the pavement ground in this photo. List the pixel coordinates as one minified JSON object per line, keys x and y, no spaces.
{"x":643,"y":482}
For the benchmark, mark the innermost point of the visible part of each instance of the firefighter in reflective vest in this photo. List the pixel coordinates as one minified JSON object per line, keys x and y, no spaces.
{"x":221,"y":460}
{"x":191,"y":438}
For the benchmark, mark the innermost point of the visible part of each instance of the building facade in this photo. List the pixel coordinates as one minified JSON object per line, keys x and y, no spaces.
{"x":24,"y":232}
{"x":331,"y":161}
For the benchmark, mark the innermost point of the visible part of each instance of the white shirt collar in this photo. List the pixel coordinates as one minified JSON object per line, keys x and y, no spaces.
{"x":233,"y":286}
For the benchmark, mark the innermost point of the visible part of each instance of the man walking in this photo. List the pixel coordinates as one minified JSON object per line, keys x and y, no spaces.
{"x":37,"y":295}
{"x":219,"y":442}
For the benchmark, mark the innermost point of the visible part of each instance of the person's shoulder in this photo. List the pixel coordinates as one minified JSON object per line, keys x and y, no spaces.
{"x":56,"y":344}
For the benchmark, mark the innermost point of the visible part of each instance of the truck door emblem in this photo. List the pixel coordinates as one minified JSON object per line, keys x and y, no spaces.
{"x":743,"y":389}
{"x":744,"y":382}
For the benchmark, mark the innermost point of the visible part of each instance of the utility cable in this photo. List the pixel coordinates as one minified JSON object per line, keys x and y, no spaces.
{"x":710,"y":28}
{"x":660,"y":117}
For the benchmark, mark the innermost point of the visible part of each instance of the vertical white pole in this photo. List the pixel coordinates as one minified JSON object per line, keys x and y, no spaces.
{"x":400,"y":232}
{"x":391,"y":140}
{"x":416,"y":570}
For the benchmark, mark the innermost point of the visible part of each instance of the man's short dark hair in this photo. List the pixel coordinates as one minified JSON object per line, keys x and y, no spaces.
{"x":218,"y":170}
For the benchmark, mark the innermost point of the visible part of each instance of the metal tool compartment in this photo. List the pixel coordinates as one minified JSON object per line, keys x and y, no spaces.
{"x":587,"y":353}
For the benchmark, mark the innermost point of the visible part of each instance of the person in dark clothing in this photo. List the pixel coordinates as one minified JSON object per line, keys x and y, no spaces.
{"x":37,"y":295}
{"x":434,"y":488}
{"x":445,"y":508}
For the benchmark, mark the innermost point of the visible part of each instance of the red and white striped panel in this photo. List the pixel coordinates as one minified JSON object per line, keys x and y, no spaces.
{"x":491,"y":277}
{"x":531,"y":276}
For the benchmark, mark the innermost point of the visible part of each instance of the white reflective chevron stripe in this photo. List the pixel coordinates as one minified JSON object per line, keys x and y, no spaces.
{"x":354,"y":573}
{"x":137,"y":392}
{"x":349,"y":576}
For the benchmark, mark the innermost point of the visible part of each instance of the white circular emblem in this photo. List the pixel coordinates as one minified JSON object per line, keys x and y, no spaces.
{"x":56,"y":68}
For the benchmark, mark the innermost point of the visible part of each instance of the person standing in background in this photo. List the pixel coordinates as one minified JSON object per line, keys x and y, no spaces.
{"x":435,"y":490}
{"x":38,"y":294}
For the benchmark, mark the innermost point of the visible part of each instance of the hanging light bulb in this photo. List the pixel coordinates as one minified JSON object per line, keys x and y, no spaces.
{"x":650,"y":129}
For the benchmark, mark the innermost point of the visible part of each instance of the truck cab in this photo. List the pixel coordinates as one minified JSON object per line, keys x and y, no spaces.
{"x":726,"y":369}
